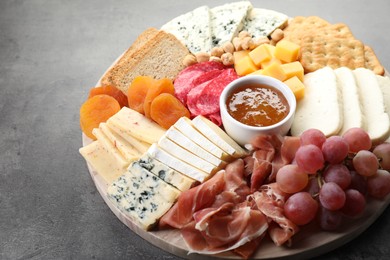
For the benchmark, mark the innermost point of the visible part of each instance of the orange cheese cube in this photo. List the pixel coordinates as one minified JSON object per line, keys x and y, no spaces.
{"x":244,"y":66}
{"x":293,"y":69}
{"x":287,"y":51}
{"x":257,"y":72}
{"x":265,"y":64}
{"x":260,"y":54}
{"x":275,"y":70}
{"x":297,"y":87}
{"x":238,"y":55}
{"x":271,"y":48}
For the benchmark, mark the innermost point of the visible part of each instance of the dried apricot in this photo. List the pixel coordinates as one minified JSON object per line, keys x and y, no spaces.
{"x":161,"y":86}
{"x":166,"y":109}
{"x":111,"y":91}
{"x":96,"y":110}
{"x":137,"y":91}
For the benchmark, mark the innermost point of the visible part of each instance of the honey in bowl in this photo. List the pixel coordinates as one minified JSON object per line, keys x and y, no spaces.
{"x":257,"y":105}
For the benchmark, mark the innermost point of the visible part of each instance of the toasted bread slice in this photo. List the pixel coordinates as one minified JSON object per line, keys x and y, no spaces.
{"x":156,"y":54}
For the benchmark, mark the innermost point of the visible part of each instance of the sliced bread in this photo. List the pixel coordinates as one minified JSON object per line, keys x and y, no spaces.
{"x":376,"y":119}
{"x":321,"y":108}
{"x":158,"y":55}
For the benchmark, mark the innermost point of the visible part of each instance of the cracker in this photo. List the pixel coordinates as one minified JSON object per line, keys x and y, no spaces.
{"x":299,"y":25}
{"x":372,"y":62}
{"x":318,"y":51}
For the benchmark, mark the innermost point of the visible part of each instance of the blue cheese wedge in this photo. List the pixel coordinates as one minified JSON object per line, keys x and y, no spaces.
{"x":262,"y":22}
{"x":144,"y":202}
{"x":227,"y":21}
{"x":179,"y":138}
{"x":185,"y":126}
{"x":192,"y":29}
{"x":167,"y":174}
{"x":176,"y":164}
{"x":218,"y":137}
{"x":136,"y":125}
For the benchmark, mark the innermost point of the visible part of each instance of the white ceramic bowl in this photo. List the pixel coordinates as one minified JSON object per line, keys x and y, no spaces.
{"x":242,"y":133}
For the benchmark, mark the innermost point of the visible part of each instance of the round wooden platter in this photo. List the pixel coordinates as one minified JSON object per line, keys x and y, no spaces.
{"x":309,"y":242}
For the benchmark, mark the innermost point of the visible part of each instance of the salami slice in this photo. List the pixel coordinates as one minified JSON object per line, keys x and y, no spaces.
{"x":193,"y":76}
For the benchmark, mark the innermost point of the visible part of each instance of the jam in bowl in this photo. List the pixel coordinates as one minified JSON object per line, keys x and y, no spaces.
{"x":254,"y":105}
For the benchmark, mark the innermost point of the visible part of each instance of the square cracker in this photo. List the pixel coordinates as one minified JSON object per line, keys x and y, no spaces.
{"x":299,"y":25}
{"x":318,"y":51}
{"x":372,"y":62}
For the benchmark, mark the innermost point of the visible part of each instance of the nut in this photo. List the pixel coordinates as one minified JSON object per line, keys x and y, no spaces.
{"x":243,"y":34}
{"x":202,"y":56}
{"x":237,"y":44}
{"x":277,"y":35}
{"x":227,"y":59}
{"x":217,"y":51}
{"x":247,"y":43}
{"x":216,"y":59}
{"x":228,"y":47}
{"x":261,"y":40}
{"x":189,"y":60}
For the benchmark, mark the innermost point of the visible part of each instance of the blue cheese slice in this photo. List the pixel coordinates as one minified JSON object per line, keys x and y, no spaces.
{"x":262,"y":22}
{"x":167,"y":174}
{"x":218,"y":137}
{"x":144,"y":205}
{"x":192,"y":29}
{"x":227,"y":21}
{"x":176,"y":164}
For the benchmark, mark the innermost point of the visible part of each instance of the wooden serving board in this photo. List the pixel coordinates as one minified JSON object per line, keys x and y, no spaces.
{"x":309,"y":242}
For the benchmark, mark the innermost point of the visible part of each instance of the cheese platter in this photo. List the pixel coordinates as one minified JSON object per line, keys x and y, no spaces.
{"x":114,"y":165}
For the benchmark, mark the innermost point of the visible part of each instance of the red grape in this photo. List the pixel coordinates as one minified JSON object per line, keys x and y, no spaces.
{"x":309,"y":158}
{"x":378,"y":186}
{"x":291,"y":179}
{"x":382,"y":151}
{"x":365,"y":163}
{"x":301,"y":208}
{"x":332,"y":197}
{"x":313,"y":136}
{"x":357,"y":139}
{"x":313,"y":186}
{"x":335,"y":149}
{"x":339,"y":174}
{"x":329,"y":220}
{"x":355,"y":203}
{"x":358,"y":182}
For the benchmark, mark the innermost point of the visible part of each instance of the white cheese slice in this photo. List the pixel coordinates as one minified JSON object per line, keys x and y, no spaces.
{"x":143,"y":205}
{"x":167,"y":174}
{"x":321,"y":107}
{"x":142,"y":147}
{"x":192,"y":29}
{"x":377,"y":120}
{"x":128,"y":151}
{"x":227,"y":21}
{"x":186,"y":156}
{"x":185,"y":126}
{"x":219,"y":137}
{"x":262,"y":22}
{"x":384,"y":84}
{"x":103,"y":161}
{"x":102,"y":138}
{"x":176,"y":164}
{"x":352,"y":112}
{"x":137,"y":125}
{"x":185,"y":142}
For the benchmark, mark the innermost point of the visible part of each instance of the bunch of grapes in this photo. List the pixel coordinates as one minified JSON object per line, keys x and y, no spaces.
{"x":330,"y":178}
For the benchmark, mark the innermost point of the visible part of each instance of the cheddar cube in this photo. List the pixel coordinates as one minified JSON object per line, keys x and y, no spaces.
{"x":269,"y":62}
{"x":260,"y":54}
{"x":293,"y":69}
{"x":297,"y":87}
{"x":287,"y":51}
{"x":275,"y":70}
{"x":244,"y":66}
{"x":238,"y":55}
{"x":271,"y":48}
{"x":257,"y":72}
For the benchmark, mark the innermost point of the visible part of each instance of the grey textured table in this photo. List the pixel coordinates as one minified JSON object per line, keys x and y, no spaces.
{"x":51,"y":53}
